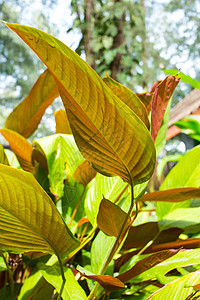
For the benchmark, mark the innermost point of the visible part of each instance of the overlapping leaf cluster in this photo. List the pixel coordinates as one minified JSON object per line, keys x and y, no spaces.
{"x":80,"y":194}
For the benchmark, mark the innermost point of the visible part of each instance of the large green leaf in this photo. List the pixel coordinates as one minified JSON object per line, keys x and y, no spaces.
{"x":179,"y":289}
{"x":185,"y":218}
{"x":21,"y":147}
{"x":181,"y":259}
{"x":191,"y":126}
{"x":29,"y":221}
{"x":26,"y":116}
{"x":72,"y":290}
{"x":63,"y":158}
{"x":108,"y":133}
{"x":186,"y":173}
{"x":109,"y":187}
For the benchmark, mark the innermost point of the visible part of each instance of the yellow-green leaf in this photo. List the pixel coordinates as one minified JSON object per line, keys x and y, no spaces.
{"x":84,"y":173}
{"x":26,"y":116}
{"x":3,"y":157}
{"x":29,"y":220}
{"x":62,"y":123}
{"x":21,"y":147}
{"x":108,"y":133}
{"x":129,"y":98}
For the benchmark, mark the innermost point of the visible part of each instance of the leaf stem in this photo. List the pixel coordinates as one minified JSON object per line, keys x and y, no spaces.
{"x":117,"y":243}
{"x":63,"y":277}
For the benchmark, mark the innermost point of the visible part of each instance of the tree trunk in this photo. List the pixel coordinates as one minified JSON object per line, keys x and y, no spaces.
{"x":89,"y":13}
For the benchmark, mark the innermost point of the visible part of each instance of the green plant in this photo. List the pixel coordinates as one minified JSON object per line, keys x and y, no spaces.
{"x":78,"y":211}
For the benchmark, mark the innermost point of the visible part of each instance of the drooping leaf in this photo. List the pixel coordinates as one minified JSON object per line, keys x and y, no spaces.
{"x":172,"y":195}
{"x":161,"y":97}
{"x":72,"y":290}
{"x":63,"y":158}
{"x":146,"y":264}
{"x":129,"y":98}
{"x":109,"y":283}
{"x":186,"y":173}
{"x":39,"y":156}
{"x":62,"y":123}
{"x":29,"y":220}
{"x":27,"y":115}
{"x":21,"y":147}
{"x":3,"y":157}
{"x":179,"y":288}
{"x":185,"y":218}
{"x":104,"y":128}
{"x":111,"y":218}
{"x":185,"y":78}
{"x":84,"y":173}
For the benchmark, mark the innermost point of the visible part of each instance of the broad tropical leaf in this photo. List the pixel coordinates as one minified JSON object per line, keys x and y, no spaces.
{"x":160,"y":100}
{"x":186,"y":173}
{"x":172,"y":195}
{"x":146,"y":264}
{"x":179,"y":289}
{"x":72,"y":290}
{"x":21,"y":147}
{"x":111,"y":217}
{"x":63,"y":158}
{"x":129,"y":98}
{"x":108,"y":133}
{"x":62,"y":123}
{"x":182,"y":259}
{"x":26,"y":116}
{"x":3,"y":157}
{"x":29,"y":221}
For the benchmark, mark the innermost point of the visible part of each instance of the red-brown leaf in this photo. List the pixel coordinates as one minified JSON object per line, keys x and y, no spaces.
{"x":161,"y":97}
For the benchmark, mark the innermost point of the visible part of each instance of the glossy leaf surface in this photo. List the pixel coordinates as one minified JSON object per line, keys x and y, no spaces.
{"x":186,"y":173}
{"x":29,"y":220}
{"x":27,"y":115}
{"x":62,"y":123}
{"x":161,"y":97}
{"x":129,"y":98}
{"x":178,"y":289}
{"x":109,"y":134}
{"x":21,"y":147}
{"x":111,"y":217}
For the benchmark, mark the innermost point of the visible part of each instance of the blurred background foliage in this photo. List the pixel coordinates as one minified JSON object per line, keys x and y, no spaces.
{"x":131,"y":39}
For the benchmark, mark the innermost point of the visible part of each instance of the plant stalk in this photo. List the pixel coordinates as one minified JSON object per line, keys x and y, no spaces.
{"x":117,"y":242}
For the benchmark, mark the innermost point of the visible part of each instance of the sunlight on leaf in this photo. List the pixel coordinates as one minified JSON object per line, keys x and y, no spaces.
{"x":29,"y":220}
{"x":21,"y":147}
{"x":108,"y":133}
{"x":27,"y":115}
{"x":62,"y":123}
{"x":3,"y":157}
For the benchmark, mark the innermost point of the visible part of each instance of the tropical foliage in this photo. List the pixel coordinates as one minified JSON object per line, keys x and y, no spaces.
{"x":75,"y":220}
